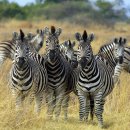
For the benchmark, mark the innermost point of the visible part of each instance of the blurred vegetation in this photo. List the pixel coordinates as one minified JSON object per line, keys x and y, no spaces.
{"x":77,"y":11}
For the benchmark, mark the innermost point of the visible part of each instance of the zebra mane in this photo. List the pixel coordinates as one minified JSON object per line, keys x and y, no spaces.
{"x":21,"y":35}
{"x":85,"y":36}
{"x":53,"y":29}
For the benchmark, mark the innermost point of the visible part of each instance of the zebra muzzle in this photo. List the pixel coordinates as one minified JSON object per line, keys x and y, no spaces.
{"x":52,"y":55}
{"x":21,"y":61}
{"x":83,"y":62}
{"x":120,"y":59}
{"x":74,"y":64}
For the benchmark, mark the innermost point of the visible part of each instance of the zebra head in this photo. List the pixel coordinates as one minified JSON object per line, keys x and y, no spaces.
{"x":22,"y":50}
{"x":119,"y":49}
{"x":36,"y":40}
{"x":70,"y":53}
{"x":52,"y":42}
{"x":84,"y":53}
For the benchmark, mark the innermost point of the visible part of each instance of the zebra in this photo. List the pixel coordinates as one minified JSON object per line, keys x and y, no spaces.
{"x":110,"y":53}
{"x":7,"y":48}
{"x":36,"y":40}
{"x":95,"y":79}
{"x":28,"y":75}
{"x":67,"y":49}
{"x":58,"y":70}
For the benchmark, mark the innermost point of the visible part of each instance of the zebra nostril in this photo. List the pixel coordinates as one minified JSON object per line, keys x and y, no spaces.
{"x":52,"y":55}
{"x":21,"y":60}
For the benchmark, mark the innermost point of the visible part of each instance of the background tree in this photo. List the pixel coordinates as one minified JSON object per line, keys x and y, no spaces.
{"x":4,"y":2}
{"x":39,"y":1}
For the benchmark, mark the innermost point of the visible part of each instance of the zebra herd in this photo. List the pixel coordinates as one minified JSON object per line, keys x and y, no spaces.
{"x":62,"y":70}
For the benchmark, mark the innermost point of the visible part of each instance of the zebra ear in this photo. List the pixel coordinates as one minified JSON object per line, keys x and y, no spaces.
{"x":115,"y":41}
{"x":58,"y":31}
{"x":78,"y":36}
{"x":15,"y":35}
{"x":70,"y":44}
{"x":125,"y":40}
{"x":65,"y":43}
{"x":46,"y":31}
{"x":73,"y":44}
{"x":91,"y":37}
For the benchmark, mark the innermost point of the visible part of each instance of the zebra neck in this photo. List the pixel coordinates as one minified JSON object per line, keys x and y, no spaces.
{"x":23,"y":68}
{"x":22,"y":78}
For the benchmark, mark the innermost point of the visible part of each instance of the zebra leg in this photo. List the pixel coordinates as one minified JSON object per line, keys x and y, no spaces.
{"x":31,"y":98}
{"x":87,"y":110}
{"x":50,"y":99}
{"x":19,"y":100}
{"x":65,"y":105}
{"x":59,"y":98}
{"x":38,"y":102}
{"x":82,"y":105}
{"x":99,"y":105}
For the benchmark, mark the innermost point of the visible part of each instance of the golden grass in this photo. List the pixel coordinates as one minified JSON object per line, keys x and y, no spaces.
{"x":117,"y":107}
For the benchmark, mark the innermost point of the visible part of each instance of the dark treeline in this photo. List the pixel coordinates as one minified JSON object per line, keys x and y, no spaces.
{"x":80,"y":11}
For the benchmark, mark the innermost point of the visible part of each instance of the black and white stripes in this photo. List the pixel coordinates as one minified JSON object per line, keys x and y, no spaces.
{"x":117,"y":56}
{"x":57,"y":69}
{"x":28,"y":77}
{"x":7,"y":48}
{"x":95,"y":80}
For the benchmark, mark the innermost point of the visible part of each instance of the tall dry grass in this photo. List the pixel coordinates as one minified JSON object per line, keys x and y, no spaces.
{"x":117,"y":107}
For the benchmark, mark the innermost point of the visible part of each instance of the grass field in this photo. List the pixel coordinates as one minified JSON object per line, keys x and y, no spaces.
{"x":117,"y":107}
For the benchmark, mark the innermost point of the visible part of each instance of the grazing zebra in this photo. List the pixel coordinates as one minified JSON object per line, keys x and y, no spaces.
{"x":95,"y":79}
{"x":28,"y":76}
{"x":57,"y":69}
{"x":7,"y":48}
{"x":110,"y":53}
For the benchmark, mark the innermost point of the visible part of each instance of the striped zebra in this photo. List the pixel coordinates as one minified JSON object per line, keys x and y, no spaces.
{"x":110,"y":53}
{"x":95,"y":79}
{"x":28,"y":76}
{"x":67,"y":49}
{"x":7,"y":48}
{"x":71,"y":56}
{"x":57,"y":69}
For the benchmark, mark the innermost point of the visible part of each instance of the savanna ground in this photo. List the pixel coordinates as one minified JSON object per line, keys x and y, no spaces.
{"x":117,"y":107}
